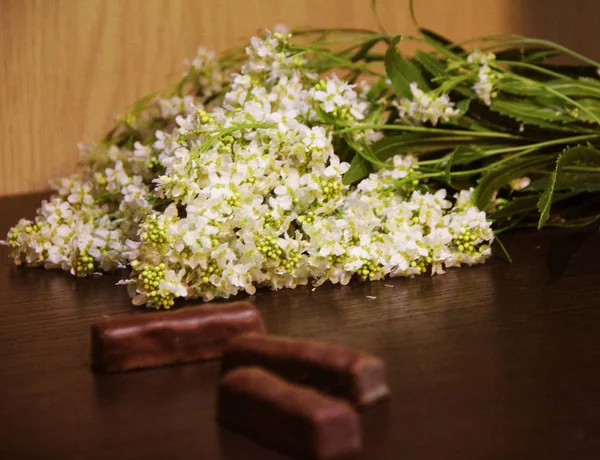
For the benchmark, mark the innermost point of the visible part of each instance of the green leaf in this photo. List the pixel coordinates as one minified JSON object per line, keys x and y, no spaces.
{"x":594,"y":82}
{"x":364,"y":50}
{"x":580,"y":156}
{"x":568,"y":180}
{"x":463,"y":105}
{"x":524,"y":204}
{"x":359,"y":169}
{"x":466,"y":154}
{"x":325,"y":117}
{"x":377,"y":90}
{"x":430,"y":63}
{"x":528,"y":111}
{"x":520,"y":87}
{"x":593,"y":105}
{"x":365,"y":151}
{"x":541,"y":55}
{"x":402,"y":72}
{"x":434,"y":36}
{"x":389,"y":146}
{"x":441,"y":44}
{"x":574,"y":88}
{"x":501,"y":176}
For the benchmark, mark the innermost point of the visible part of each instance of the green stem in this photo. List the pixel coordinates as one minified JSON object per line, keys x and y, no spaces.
{"x":483,"y":169}
{"x":502,"y":248}
{"x":451,"y":83}
{"x":536,"y":68}
{"x":341,"y":30}
{"x":539,"y":145}
{"x":563,"y":49}
{"x":364,"y":38}
{"x":421,"y":129}
{"x":486,"y":38}
{"x":578,"y":84}
{"x":527,"y":148}
{"x":345,"y":62}
{"x":238,"y":127}
{"x":430,"y":162}
{"x":520,"y":40}
{"x":487,"y":167}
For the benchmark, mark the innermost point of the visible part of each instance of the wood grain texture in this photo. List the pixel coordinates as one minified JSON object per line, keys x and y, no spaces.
{"x":497,"y":361}
{"x":67,"y":66}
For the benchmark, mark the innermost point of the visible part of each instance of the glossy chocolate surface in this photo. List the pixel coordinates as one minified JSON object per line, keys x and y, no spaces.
{"x":339,"y":371}
{"x":292,"y":418}
{"x":142,"y":340}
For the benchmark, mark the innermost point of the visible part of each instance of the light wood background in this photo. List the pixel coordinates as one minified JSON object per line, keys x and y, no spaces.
{"x":68,"y":66}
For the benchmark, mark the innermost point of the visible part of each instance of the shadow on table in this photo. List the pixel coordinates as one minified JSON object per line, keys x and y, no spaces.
{"x":563,"y":249}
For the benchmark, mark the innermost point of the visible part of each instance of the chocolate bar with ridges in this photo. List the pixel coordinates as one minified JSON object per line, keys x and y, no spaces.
{"x":142,"y":340}
{"x":339,"y":371}
{"x":291,"y":418}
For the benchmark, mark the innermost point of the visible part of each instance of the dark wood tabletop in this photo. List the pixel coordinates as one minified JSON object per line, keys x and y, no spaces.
{"x":498,"y":361}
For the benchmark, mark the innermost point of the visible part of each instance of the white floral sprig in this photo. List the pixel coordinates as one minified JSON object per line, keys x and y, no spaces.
{"x":242,"y":191}
{"x":484,"y":87}
{"x":424,"y":108}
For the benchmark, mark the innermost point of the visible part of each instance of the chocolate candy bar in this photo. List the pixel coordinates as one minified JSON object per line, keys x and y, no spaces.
{"x":139,"y":340}
{"x":358,"y":377}
{"x":294,"y":419}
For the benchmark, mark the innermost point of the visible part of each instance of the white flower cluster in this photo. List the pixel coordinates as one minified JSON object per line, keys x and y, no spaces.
{"x":268,"y":57}
{"x":247,"y":191}
{"x":484,"y":87}
{"x":340,"y":102}
{"x":424,"y":108}
{"x":205,"y":72}
{"x":175,"y":105}
{"x":338,"y":98}
{"x":71,"y":234}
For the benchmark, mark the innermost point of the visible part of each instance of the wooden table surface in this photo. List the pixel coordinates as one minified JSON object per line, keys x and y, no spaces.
{"x":497,"y":361}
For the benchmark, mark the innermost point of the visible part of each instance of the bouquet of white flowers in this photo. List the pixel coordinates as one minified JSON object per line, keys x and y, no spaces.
{"x":322,"y":158}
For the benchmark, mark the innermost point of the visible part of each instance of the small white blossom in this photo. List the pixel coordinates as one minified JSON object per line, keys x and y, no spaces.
{"x":424,"y":108}
{"x":520,"y":183}
{"x":484,"y":87}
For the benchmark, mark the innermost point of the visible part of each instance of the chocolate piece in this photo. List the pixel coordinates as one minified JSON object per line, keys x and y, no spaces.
{"x":358,"y":377}
{"x":139,"y":340}
{"x":292,"y":418}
